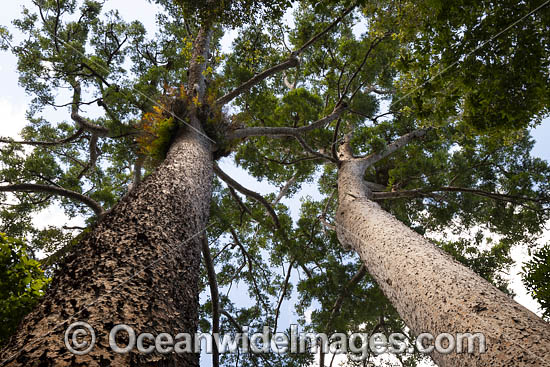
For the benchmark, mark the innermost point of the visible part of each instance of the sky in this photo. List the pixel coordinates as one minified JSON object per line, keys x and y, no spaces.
{"x":14,"y":101}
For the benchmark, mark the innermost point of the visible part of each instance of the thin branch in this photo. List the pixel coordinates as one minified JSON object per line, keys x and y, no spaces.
{"x":371,"y":47}
{"x":422,"y":192}
{"x":232,"y":320}
{"x":357,"y":277}
{"x":373,"y":119}
{"x":95,"y":73}
{"x":237,"y":326}
{"x":215,"y":295}
{"x":237,"y":186}
{"x":292,"y":61}
{"x":250,"y":260}
{"x":283,"y":294}
{"x":94,"y":205}
{"x":68,"y":139}
{"x":74,"y":228}
{"x":329,"y":201}
{"x":285,"y":189}
{"x":352,"y":283}
{"x":324,"y":221}
{"x":312,"y":151}
{"x":326,"y":30}
{"x":243,"y":206}
{"x":290,"y":163}
{"x":97,"y":100}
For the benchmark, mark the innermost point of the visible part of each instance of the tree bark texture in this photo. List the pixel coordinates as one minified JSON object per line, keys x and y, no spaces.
{"x":138,"y":266}
{"x":433,"y":292}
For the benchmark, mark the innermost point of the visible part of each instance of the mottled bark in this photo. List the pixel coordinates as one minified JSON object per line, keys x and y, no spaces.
{"x":138,"y":266}
{"x":431,"y":291}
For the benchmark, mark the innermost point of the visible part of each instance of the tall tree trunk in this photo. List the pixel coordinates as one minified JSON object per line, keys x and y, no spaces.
{"x":432,"y":292}
{"x":138,"y":266}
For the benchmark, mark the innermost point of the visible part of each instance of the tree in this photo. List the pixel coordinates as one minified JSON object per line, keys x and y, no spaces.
{"x":23,"y":283}
{"x":535,"y":278}
{"x":450,"y":150}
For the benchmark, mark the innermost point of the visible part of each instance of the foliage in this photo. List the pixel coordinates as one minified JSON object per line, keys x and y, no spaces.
{"x":232,"y":13}
{"x":159,"y":127}
{"x":536,"y":277}
{"x":22,"y":283}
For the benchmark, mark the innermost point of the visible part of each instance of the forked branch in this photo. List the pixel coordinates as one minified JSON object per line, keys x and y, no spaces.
{"x":81,"y":122}
{"x":292,"y":61}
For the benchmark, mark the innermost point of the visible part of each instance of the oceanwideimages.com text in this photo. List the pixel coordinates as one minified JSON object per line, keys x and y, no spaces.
{"x":80,"y":339}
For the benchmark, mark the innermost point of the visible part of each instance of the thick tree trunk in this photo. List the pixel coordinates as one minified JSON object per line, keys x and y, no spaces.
{"x":432,"y":292}
{"x":139,"y":266}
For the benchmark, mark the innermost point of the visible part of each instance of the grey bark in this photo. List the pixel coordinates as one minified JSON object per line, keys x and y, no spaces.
{"x":138,"y":266}
{"x":431,"y":291}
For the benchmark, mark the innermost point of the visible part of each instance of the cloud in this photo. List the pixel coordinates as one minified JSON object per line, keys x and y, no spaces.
{"x":13,"y":118}
{"x":55,"y":216}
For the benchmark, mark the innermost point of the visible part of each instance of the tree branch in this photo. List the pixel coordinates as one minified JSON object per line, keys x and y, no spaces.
{"x":325,"y":223}
{"x":201,"y":48}
{"x":81,"y":121}
{"x":423,"y":192}
{"x":138,"y":166}
{"x":312,"y":151}
{"x":68,"y":139}
{"x":373,"y":186}
{"x":285,"y":189}
{"x":283,"y":294}
{"x":326,"y":30}
{"x":286,"y":131}
{"x":231,"y":320}
{"x":248,"y":259}
{"x":371,"y":47}
{"x":393,"y":147}
{"x":292,"y":61}
{"x":94,"y":155}
{"x":73,"y":195}
{"x":360,"y":274}
{"x":215,"y":295}
{"x":237,"y":186}
{"x":335,"y":140}
{"x":357,"y":277}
